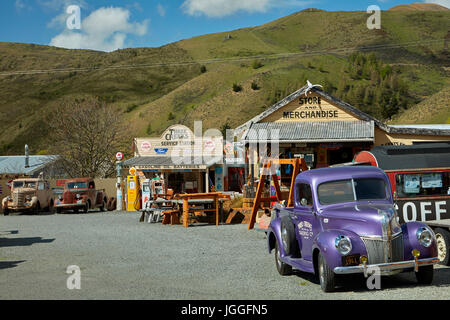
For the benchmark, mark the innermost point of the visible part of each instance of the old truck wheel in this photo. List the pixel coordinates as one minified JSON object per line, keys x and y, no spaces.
{"x":326,"y":275}
{"x":288,"y":239}
{"x":86,"y":207}
{"x":283,"y":268}
{"x":103,"y":207}
{"x":37,"y":208}
{"x":425,"y":275}
{"x":443,"y":245}
{"x":5,"y":212}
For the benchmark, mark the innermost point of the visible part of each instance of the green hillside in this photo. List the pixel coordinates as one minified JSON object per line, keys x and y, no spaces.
{"x":383,"y":72}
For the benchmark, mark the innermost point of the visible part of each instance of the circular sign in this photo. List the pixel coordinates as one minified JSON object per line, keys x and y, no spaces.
{"x":209,"y":146}
{"x":132,"y":171}
{"x":119,"y":156}
{"x":146,"y":146}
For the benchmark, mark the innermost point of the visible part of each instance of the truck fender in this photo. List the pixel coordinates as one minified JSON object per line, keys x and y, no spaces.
{"x":4,"y":202}
{"x":34,"y":200}
{"x":325,"y":243}
{"x":274,"y":236}
{"x":410,"y":241}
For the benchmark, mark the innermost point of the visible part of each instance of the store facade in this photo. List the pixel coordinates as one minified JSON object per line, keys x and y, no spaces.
{"x":188,"y":164}
{"x":324,"y":130}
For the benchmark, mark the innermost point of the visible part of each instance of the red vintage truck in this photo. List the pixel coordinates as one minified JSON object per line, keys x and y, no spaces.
{"x":80,"y":194}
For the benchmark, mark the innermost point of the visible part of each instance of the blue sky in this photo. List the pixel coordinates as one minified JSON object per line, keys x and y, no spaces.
{"x":110,"y":24}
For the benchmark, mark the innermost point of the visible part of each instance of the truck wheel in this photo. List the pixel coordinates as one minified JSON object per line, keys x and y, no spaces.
{"x":51,"y":207}
{"x":103,"y":207}
{"x":5,"y":212}
{"x":326,"y":275}
{"x":58,"y":210}
{"x":443,"y":245}
{"x":288,"y":238}
{"x":37,"y":208}
{"x":425,"y":275}
{"x":86,"y":207}
{"x":283,"y":268}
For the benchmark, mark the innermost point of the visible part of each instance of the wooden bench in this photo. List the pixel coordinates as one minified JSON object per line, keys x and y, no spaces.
{"x":171,"y":217}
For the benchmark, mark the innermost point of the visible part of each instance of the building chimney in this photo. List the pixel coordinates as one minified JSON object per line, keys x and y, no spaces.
{"x":27,"y":157}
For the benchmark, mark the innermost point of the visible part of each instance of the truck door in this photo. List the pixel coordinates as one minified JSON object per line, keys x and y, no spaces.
{"x":42,"y":194}
{"x":305,"y":220}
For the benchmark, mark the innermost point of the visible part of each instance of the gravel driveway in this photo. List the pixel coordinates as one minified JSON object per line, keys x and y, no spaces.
{"x":121,"y":258}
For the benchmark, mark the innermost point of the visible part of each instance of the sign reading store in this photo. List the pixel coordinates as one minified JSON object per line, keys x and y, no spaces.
{"x":312,"y":110}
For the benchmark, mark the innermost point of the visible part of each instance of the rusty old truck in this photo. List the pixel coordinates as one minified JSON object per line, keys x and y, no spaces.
{"x":29,"y":195}
{"x":81,"y":194}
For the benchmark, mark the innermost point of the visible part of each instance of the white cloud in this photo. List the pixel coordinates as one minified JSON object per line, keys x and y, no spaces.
{"x":221,"y":8}
{"x":105,"y":29}
{"x":444,"y":3}
{"x":161,"y":10}
{"x":21,"y":5}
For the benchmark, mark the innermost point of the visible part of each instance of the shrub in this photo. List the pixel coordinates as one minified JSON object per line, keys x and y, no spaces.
{"x":236,"y":87}
{"x":256,"y":64}
{"x":170,"y":116}
{"x":255,"y":86}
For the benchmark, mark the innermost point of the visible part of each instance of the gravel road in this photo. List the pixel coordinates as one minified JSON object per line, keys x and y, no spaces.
{"x":121,"y":258}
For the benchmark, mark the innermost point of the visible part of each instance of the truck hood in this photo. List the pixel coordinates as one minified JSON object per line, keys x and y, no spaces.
{"x":362,"y":219}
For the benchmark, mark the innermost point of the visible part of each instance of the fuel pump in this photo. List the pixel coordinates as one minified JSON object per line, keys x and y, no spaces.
{"x":133,"y":191}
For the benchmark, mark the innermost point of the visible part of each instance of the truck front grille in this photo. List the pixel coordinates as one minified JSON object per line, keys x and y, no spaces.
{"x":378,"y":250}
{"x":18,"y":199}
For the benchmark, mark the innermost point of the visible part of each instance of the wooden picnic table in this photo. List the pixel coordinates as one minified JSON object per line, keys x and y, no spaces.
{"x":189,"y":201}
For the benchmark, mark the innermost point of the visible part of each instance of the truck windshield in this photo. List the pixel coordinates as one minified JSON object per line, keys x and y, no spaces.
{"x":352,"y":190}
{"x":76,"y":185}
{"x":24,"y":184}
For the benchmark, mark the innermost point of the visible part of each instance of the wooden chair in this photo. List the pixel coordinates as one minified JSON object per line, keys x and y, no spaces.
{"x":171,"y":217}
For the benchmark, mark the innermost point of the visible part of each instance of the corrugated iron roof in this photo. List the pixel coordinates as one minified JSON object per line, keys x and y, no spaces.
{"x":16,"y":164}
{"x":331,"y":131}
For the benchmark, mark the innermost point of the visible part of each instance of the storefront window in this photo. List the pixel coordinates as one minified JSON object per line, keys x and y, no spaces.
{"x":410,"y":185}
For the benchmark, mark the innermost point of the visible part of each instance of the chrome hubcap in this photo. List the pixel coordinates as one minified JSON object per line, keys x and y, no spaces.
{"x":278,"y":257}
{"x":442,"y":248}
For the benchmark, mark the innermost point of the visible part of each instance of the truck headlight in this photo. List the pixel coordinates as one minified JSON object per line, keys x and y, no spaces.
{"x":343,"y":245}
{"x":78,"y":196}
{"x":60,"y":198}
{"x":9,"y":198}
{"x":28,"y":198}
{"x":425,"y":236}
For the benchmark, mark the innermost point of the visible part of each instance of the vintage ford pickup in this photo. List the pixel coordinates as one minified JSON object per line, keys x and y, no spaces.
{"x":29,"y":195}
{"x":344,"y":222}
{"x":80,"y":194}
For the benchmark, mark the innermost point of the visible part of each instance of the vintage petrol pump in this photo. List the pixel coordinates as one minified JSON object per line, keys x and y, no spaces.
{"x":133,"y":191}
{"x":146,"y":191}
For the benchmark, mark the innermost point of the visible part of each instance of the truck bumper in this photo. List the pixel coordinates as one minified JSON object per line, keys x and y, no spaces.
{"x":388,"y":267}
{"x":70,"y":206}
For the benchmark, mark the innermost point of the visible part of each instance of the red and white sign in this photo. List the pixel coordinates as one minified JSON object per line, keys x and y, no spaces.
{"x":146,"y":146}
{"x":119,"y":156}
{"x":209,"y":146}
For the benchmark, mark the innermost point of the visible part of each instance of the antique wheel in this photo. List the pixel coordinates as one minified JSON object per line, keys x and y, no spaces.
{"x":443,"y":245}
{"x":37,"y":208}
{"x":58,"y":210}
{"x":288,"y":239}
{"x":425,"y":275}
{"x":326,"y":275}
{"x":283,"y":268}
{"x":51,"y":207}
{"x":86,"y":207}
{"x":104,"y":206}
{"x":6,"y":212}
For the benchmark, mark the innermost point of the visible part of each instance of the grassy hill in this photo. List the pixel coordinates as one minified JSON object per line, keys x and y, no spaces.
{"x":434,"y":110}
{"x":419,"y":6}
{"x":408,"y":55}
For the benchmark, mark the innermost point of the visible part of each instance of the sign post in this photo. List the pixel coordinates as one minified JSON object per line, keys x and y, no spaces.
{"x":119,"y":195}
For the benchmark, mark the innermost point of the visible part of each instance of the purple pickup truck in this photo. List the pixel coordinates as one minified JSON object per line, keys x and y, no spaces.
{"x":344,"y":222}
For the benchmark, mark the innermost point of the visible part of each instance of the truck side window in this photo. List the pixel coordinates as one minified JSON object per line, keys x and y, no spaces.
{"x":304,"y":192}
{"x":41,"y":186}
